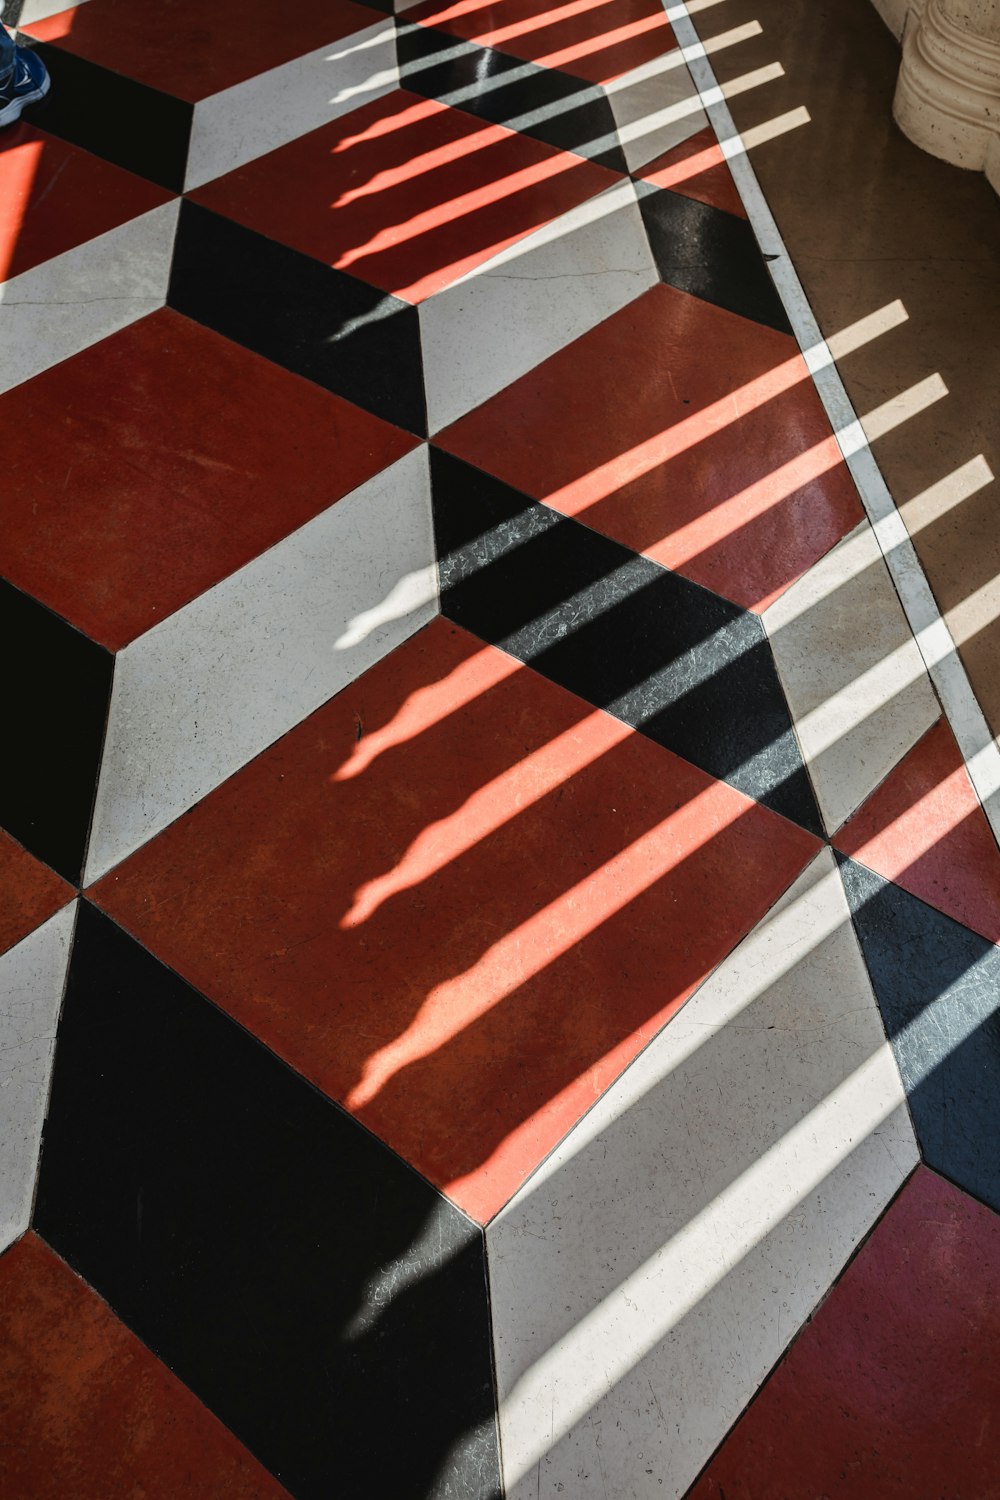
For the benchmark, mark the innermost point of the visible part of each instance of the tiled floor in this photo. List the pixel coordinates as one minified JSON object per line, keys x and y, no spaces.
{"x":500,"y":961}
{"x":891,"y":239}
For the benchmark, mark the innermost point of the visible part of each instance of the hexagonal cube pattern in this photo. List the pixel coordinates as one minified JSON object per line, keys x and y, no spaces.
{"x":493,"y":918}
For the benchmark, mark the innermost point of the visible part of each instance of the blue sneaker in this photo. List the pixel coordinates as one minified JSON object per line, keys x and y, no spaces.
{"x":28,"y":82}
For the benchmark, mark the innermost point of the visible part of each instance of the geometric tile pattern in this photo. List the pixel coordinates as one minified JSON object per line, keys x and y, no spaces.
{"x":842,"y":1415}
{"x":188,"y":1176}
{"x":32,"y":979}
{"x":545,"y":883}
{"x":89,"y":1411}
{"x":924,"y":829}
{"x":726,"y":1177}
{"x":689,"y":669}
{"x":853,"y":674}
{"x":938,"y":986}
{"x":181,"y":114}
{"x":724,"y":471}
{"x":458,"y":635}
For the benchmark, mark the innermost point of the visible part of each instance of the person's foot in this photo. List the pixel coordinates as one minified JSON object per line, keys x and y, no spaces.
{"x":28,"y":82}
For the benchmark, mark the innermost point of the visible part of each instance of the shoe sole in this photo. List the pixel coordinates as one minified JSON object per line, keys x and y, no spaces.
{"x":14,"y":108}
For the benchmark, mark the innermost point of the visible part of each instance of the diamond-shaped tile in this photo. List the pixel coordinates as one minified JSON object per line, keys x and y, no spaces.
{"x":152,"y":485}
{"x":70,"y":222}
{"x":697,"y":168}
{"x":722,"y":468}
{"x":181,"y":93}
{"x":892,"y":1389}
{"x":183,"y":544}
{"x":87,"y":1410}
{"x":29,"y":892}
{"x":32,"y":980}
{"x":649,"y":1275}
{"x":938,"y":986}
{"x":855,"y":680}
{"x":514,"y":311}
{"x":596,"y":41}
{"x":925,"y":829}
{"x":538,"y":102}
{"x":405,"y":194}
{"x":459,"y":900}
{"x":691,"y":670}
{"x":294,"y":1273}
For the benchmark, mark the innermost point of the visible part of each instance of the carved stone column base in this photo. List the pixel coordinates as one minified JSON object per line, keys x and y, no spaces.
{"x":948,"y":94}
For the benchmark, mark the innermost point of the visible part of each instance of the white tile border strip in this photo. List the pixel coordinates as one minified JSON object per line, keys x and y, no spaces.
{"x":934,"y":639}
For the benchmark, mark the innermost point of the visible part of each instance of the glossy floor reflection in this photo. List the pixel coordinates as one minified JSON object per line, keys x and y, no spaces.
{"x":497,"y":929}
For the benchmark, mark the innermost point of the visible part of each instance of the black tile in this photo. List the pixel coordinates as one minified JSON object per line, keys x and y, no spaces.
{"x":316,"y":1293}
{"x":538,"y":102}
{"x":711,"y":254}
{"x":128,"y":123}
{"x":691,"y":670}
{"x":938,"y":987}
{"x":316,"y":321}
{"x":57,"y":690}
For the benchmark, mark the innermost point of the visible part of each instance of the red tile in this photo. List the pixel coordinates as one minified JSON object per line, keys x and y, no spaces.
{"x":152,"y":484}
{"x":697,"y":169}
{"x":596,"y":40}
{"x":54,"y":197}
{"x":405,"y":193}
{"x":893,"y":1390}
{"x":192,"y":50}
{"x":458,"y":900}
{"x":87,"y":1411}
{"x":924,"y":828}
{"x":29,"y":892}
{"x":684,"y":431}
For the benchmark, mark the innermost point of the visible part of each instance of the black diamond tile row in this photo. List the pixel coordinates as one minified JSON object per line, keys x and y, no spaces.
{"x":938,"y":988}
{"x":316,"y":321}
{"x":58,"y":688}
{"x":686,"y":667}
{"x":548,"y":106}
{"x":130,"y":124}
{"x":321,"y":1298}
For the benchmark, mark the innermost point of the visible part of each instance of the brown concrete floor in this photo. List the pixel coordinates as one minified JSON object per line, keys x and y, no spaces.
{"x":869,"y":220}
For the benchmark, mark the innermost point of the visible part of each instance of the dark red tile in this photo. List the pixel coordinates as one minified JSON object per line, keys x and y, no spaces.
{"x":697,"y":169}
{"x":593,"y":39}
{"x":685,"y":432}
{"x":87,"y":1411}
{"x":29,"y":892}
{"x":406,"y":193}
{"x":152,"y":484}
{"x":54,"y":197}
{"x":458,"y":900}
{"x":924,"y":828}
{"x":191,"y":50}
{"x":893,"y":1390}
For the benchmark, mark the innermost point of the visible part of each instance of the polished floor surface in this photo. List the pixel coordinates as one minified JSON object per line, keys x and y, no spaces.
{"x":500,"y":940}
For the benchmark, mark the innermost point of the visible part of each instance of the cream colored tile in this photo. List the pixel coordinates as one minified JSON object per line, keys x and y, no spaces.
{"x":854,"y":678}
{"x":646,"y":1279}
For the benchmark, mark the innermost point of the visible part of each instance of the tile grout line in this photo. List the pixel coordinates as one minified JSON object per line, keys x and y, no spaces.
{"x":936,"y":645}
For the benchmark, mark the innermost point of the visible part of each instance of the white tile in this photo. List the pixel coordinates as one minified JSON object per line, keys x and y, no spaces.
{"x":656,"y":107}
{"x":34,"y":10}
{"x":538,"y":295}
{"x":32,"y":977}
{"x":254,"y":117}
{"x":210,"y":687}
{"x":71,"y":301}
{"x":647,"y":1278}
{"x":854,"y":678}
